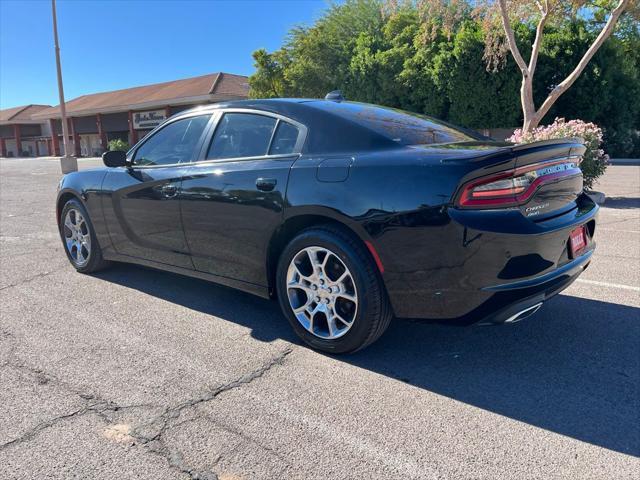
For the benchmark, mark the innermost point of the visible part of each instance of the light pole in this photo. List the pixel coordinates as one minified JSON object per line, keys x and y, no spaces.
{"x":68,"y":163}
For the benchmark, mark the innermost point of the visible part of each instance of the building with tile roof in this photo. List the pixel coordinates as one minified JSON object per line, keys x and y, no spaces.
{"x":128,"y":114}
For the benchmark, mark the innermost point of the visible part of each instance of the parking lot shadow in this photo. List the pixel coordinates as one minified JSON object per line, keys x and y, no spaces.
{"x":622,"y":202}
{"x":573,"y":368}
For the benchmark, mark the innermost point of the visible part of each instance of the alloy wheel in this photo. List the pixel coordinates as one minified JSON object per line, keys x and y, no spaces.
{"x":322,"y":292}
{"x":77,"y":237}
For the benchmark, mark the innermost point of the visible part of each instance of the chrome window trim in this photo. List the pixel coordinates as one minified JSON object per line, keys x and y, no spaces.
{"x":209,"y":131}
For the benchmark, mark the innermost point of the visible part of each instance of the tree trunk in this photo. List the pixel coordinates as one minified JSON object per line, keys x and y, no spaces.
{"x":532,"y":117}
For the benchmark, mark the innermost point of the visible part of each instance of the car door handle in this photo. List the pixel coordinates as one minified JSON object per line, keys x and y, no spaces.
{"x":169,"y":190}
{"x":266,"y":184}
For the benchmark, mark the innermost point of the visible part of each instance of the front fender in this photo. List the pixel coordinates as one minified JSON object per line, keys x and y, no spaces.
{"x":86,"y":187}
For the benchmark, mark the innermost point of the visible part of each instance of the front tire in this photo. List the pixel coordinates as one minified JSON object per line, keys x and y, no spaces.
{"x":331,"y":292}
{"x":79,"y":239}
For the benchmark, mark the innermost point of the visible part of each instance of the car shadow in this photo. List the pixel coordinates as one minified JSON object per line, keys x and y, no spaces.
{"x":572,"y":369}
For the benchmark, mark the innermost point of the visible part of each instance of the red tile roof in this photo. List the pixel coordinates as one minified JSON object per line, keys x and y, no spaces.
{"x":206,"y":88}
{"x":20,"y":114}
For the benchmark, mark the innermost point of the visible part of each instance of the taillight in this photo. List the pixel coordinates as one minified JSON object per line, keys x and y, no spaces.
{"x":516,"y":186}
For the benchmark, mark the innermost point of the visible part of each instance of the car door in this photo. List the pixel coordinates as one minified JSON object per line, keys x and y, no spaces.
{"x":143,"y":211}
{"x":233,"y":199}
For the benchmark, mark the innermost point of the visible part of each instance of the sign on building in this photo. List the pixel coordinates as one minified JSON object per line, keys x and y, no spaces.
{"x":148,"y":119}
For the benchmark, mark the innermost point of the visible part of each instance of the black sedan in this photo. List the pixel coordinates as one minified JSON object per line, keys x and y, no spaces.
{"x":348,"y":213}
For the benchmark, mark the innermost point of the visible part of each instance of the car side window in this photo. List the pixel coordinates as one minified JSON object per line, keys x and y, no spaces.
{"x":174,"y":143}
{"x":285,"y":139}
{"x":241,"y":135}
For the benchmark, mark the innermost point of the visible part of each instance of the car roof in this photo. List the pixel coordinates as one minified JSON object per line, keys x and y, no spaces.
{"x":274,"y":105}
{"x":342,"y":126}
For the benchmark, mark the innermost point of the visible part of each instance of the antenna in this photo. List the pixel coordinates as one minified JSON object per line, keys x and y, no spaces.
{"x":336,"y":96}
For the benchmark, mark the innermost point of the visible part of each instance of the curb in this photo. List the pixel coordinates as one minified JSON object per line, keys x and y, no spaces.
{"x":624,"y":161}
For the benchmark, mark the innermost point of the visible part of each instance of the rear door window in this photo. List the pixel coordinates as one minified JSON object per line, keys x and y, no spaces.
{"x":242,"y":135}
{"x":285,"y":139}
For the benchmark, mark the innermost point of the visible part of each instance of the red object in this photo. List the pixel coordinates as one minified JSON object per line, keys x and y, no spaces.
{"x":376,"y":257}
{"x":74,"y":136}
{"x":514,"y":192}
{"x":3,"y":148}
{"x":577,"y":240}
{"x":55,"y":141}
{"x":101,"y":133}
{"x":16,"y":134}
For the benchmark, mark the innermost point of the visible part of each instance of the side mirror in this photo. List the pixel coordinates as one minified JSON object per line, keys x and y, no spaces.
{"x":115,"y":158}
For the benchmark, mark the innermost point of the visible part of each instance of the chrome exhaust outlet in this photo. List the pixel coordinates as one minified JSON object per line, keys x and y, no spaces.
{"x":521,"y":315}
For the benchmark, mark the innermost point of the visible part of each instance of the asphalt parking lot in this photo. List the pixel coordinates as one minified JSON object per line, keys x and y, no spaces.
{"x":134,"y":373}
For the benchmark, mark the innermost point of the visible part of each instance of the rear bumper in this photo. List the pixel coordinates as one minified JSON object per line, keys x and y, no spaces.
{"x":486,"y":266}
{"x":521,"y":296}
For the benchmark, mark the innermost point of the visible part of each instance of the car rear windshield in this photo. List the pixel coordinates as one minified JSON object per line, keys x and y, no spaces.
{"x":404,"y":128}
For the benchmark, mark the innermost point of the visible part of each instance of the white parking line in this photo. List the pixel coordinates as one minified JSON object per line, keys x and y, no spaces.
{"x":607,"y":284}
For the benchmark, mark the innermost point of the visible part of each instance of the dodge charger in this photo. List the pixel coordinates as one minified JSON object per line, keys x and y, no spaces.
{"x":349,"y":214}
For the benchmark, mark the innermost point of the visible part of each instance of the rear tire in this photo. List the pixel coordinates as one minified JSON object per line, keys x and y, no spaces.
{"x":316,"y":264}
{"x":79,"y":239}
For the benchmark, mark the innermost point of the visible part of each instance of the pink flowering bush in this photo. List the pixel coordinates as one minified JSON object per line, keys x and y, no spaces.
{"x":595,"y":160}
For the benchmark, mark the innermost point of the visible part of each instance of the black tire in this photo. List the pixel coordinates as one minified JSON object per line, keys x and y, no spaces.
{"x":374,"y":311}
{"x":94,"y":261}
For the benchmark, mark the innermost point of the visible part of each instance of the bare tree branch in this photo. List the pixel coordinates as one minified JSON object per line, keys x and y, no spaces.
{"x":511,"y":39}
{"x":537,"y":42}
{"x":573,"y":76}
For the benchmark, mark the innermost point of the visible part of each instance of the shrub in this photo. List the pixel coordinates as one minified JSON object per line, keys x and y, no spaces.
{"x":118,"y":144}
{"x":594,"y":162}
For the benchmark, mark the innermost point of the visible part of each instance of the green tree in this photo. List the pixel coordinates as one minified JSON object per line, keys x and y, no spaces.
{"x":430,"y":56}
{"x":117,"y":144}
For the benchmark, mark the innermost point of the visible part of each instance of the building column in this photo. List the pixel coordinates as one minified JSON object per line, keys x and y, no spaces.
{"x":16,"y":134}
{"x":3,"y":148}
{"x":37,"y":148}
{"x":55,"y":141}
{"x":75,"y":137}
{"x":133,"y":137}
{"x":101,"y":132}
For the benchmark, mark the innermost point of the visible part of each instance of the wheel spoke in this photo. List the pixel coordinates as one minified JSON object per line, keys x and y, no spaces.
{"x":342,"y":277}
{"x":339,"y":317}
{"x":79,"y":253}
{"x":346,"y":296}
{"x":315,"y":262}
{"x":331,"y":323}
{"x":300,"y":272}
{"x":323,"y":265}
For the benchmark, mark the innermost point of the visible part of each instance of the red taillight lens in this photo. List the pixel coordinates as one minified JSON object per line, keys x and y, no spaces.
{"x":514,"y":187}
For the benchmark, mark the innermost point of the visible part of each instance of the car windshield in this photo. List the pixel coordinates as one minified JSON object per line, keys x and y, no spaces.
{"x":404,"y":128}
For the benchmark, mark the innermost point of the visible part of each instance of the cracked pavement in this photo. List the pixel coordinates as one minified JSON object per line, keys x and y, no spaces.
{"x":134,"y":373}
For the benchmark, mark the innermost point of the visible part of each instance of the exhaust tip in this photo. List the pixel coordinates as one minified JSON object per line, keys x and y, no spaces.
{"x":522,"y":314}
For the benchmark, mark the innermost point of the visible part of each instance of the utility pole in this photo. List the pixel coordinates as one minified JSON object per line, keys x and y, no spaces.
{"x":68,"y":163}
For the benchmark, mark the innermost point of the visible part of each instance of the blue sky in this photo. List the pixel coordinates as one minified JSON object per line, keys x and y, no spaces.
{"x":106,"y":45}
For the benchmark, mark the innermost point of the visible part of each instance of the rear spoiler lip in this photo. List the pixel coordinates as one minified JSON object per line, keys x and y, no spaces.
{"x":507,"y":150}
{"x":544,"y":143}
